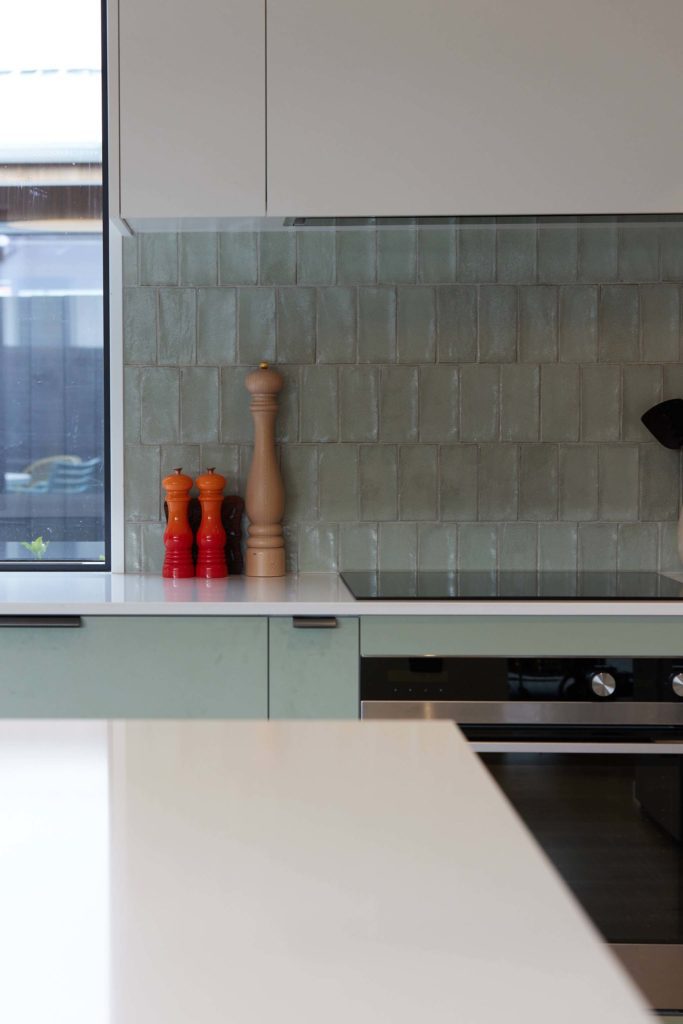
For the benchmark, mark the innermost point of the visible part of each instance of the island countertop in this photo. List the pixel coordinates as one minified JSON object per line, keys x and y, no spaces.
{"x":99,"y":593}
{"x":301,"y":872}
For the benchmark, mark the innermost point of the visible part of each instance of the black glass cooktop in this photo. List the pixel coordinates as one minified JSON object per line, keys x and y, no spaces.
{"x":512,"y":586}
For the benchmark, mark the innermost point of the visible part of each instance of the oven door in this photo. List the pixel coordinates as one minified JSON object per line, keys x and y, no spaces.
{"x":605,"y":802}
{"x":610,"y":818}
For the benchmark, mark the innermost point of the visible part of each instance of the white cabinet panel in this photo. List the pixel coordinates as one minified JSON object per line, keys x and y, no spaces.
{"x":474,"y":107}
{"x":191,"y":108}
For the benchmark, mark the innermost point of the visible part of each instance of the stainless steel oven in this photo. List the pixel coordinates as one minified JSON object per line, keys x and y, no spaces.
{"x":590,"y":753}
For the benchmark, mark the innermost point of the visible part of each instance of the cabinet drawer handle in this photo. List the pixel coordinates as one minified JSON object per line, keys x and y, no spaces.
{"x":53,"y":621}
{"x":314,"y":622}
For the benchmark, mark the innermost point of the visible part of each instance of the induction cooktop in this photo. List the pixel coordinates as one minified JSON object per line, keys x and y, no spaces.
{"x":512,"y":586}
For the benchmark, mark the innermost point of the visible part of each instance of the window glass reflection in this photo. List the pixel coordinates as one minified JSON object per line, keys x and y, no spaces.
{"x":52,"y":373}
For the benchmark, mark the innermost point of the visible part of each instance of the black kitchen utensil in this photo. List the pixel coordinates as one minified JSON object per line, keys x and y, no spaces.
{"x":665,"y":422}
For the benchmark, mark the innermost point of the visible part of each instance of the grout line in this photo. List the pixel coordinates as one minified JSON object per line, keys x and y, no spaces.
{"x":537,"y":253}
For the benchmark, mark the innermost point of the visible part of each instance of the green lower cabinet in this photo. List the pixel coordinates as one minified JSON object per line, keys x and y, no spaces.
{"x":251,"y":667}
{"x":136,"y":667}
{"x":313,"y":672}
{"x":522,"y":635}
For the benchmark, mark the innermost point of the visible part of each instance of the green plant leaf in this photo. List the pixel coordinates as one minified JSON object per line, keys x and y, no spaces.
{"x":37,"y":547}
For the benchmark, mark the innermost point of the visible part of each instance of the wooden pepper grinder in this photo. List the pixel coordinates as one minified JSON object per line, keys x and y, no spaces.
{"x":211,"y":564}
{"x":265,"y":497}
{"x":178,"y":564}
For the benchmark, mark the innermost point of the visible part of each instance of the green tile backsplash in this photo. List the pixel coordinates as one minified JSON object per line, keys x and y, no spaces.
{"x":457,"y":394}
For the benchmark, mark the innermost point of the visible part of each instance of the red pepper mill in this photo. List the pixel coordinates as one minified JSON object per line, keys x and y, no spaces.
{"x":211,"y":564}
{"x":265,"y":497}
{"x":178,"y":564}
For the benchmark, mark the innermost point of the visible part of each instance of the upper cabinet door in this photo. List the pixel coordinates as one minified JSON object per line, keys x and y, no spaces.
{"x":191,"y":108}
{"x":474,"y":107}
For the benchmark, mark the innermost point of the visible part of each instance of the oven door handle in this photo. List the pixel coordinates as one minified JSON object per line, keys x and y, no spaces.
{"x":581,"y":714}
{"x":568,"y":747}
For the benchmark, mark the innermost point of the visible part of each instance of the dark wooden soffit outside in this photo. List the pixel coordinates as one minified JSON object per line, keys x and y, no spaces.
{"x":37,"y":202}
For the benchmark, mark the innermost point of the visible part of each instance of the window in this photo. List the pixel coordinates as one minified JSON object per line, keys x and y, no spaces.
{"x":53,"y":337}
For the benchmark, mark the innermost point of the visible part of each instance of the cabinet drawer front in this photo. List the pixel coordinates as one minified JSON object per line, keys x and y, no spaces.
{"x":136,"y":667}
{"x":510,"y":635}
{"x":314,"y":672}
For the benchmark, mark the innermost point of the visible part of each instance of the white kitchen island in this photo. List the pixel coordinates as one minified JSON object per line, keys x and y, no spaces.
{"x":308,"y":872}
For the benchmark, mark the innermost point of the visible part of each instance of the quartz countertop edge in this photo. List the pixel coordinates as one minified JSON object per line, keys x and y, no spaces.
{"x":66,"y":593}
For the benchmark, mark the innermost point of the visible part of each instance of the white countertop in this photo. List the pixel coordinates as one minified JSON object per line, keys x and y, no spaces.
{"x":290,"y":872}
{"x":80,"y":593}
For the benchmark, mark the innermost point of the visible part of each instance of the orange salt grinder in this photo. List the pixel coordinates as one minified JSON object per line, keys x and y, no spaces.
{"x":211,"y":564}
{"x":178,"y":564}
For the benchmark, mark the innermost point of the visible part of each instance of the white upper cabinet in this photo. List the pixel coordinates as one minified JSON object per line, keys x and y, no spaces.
{"x":191,"y":108}
{"x":390,"y":107}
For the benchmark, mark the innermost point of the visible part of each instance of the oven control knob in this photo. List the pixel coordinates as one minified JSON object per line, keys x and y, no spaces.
{"x":677,"y":684}
{"x":603,"y":684}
